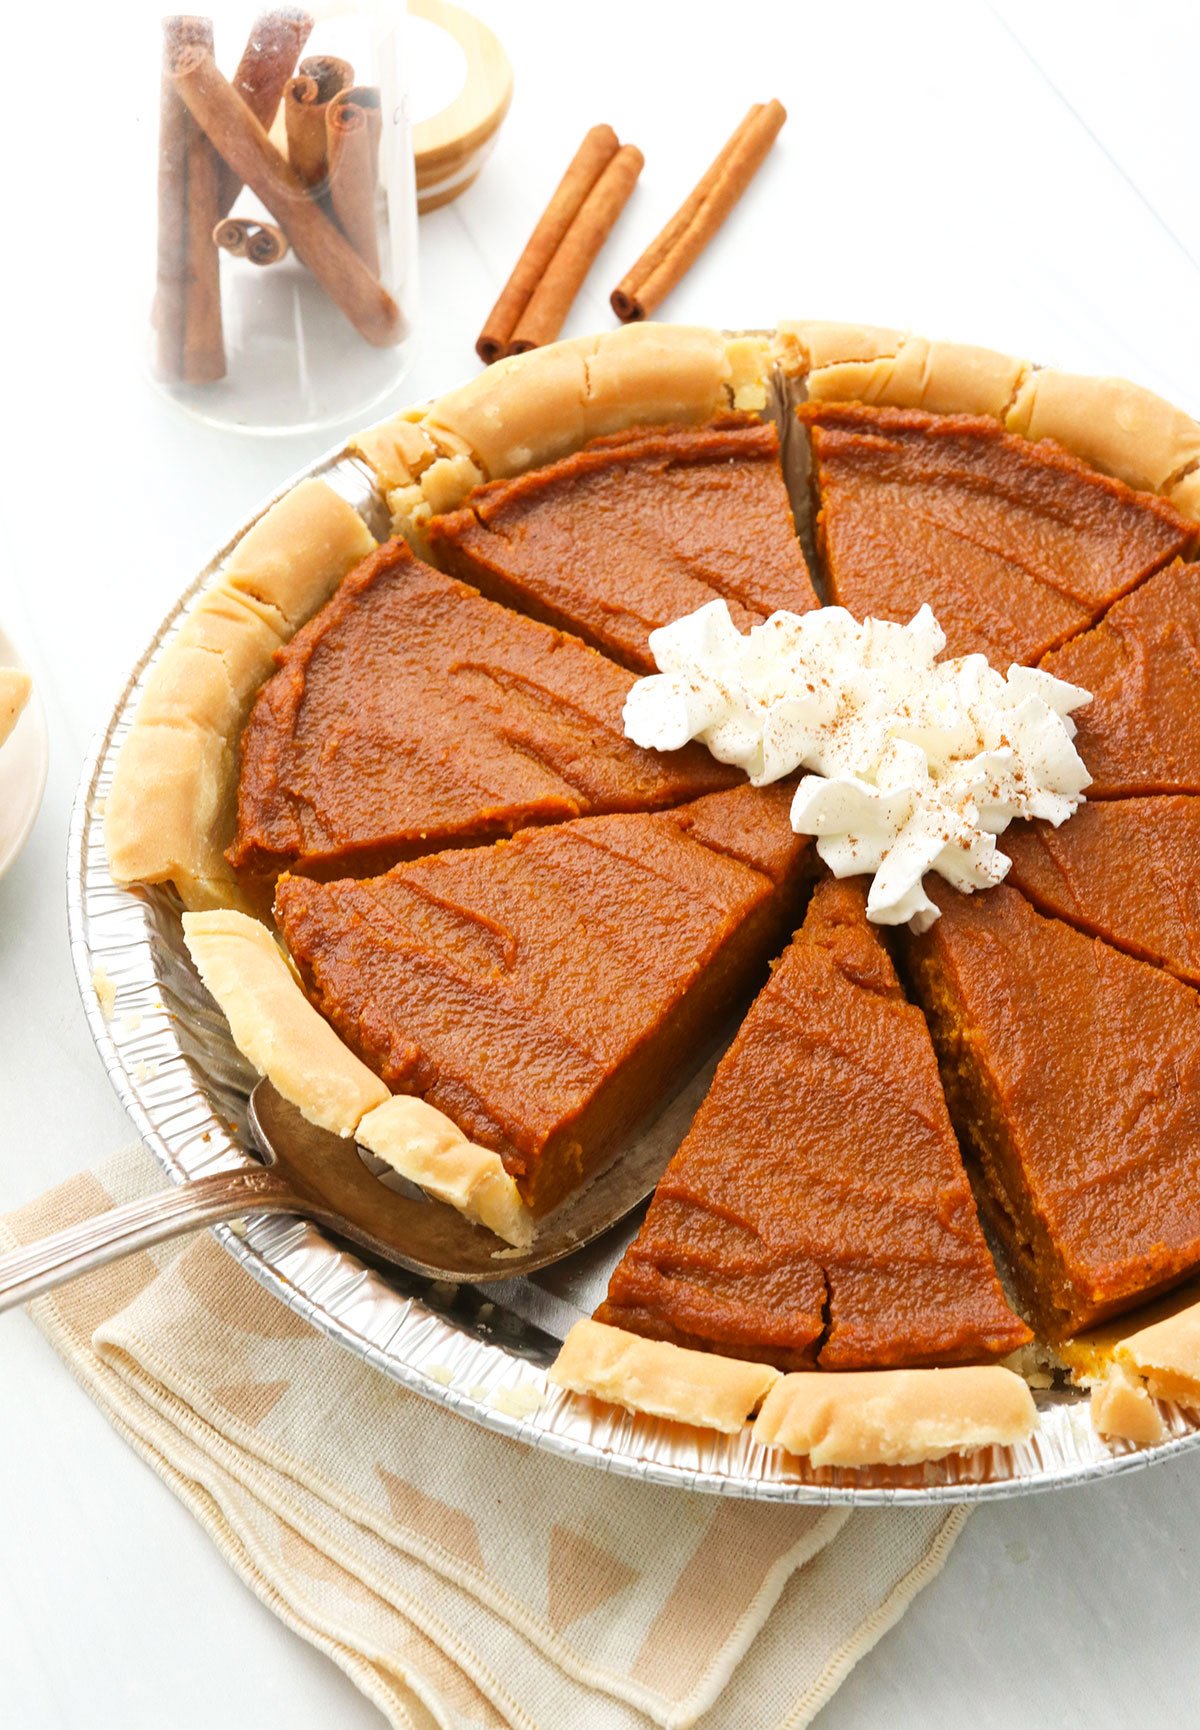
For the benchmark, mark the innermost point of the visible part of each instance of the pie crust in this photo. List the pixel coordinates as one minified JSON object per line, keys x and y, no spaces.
{"x":895,"y":1417}
{"x":534,"y":407}
{"x":1127,"y":1372}
{"x":184,"y":738}
{"x":170,"y":809}
{"x":663,"y":1380}
{"x":1117,"y":426}
{"x":423,"y":1145}
{"x":274,"y":1025}
{"x":885,"y":368}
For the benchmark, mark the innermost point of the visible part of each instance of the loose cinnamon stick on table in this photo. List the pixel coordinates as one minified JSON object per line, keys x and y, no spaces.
{"x":319,"y":244}
{"x":269,"y":58}
{"x":305,"y":106}
{"x":599,"y":147}
{"x":551,"y":300}
{"x":353,"y":124}
{"x":689,"y":231}
{"x":190,"y":347}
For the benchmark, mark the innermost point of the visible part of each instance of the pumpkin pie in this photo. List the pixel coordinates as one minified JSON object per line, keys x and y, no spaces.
{"x":818,"y":1211}
{"x":548,"y":992}
{"x":493,"y":1015}
{"x":635,"y":530}
{"x":1015,"y":545}
{"x":1121,"y":869}
{"x":1073,"y":1072}
{"x":1141,"y":662}
{"x":411,"y":714}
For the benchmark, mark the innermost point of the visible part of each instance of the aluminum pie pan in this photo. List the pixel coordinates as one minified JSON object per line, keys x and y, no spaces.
{"x":481,"y":1352}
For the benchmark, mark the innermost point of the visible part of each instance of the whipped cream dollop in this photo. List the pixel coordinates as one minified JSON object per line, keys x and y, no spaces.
{"x":917,"y":764}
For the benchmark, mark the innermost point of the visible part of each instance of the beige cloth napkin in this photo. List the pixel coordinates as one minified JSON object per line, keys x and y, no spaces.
{"x":460,"y":1579}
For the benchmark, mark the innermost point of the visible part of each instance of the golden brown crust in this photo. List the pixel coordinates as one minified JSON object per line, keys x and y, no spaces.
{"x":397,"y":449}
{"x":1118,"y":427}
{"x":533,"y":408}
{"x":895,"y":1417}
{"x":1167,"y":1355}
{"x":169,"y":811}
{"x":423,"y":1145}
{"x":15,"y":685}
{"x":1163,"y":1354}
{"x":1122,"y":1408}
{"x":941,"y":377}
{"x":664,"y":1381}
{"x":802,"y":345}
{"x":273,"y":1024}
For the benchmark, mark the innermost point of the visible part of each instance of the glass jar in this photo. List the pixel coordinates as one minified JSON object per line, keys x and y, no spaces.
{"x":285,"y":270}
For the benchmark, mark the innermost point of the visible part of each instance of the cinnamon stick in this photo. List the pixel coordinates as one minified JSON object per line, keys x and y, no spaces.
{"x":319,"y":244}
{"x":599,"y":147}
{"x":242,"y":237}
{"x":551,"y":300}
{"x":305,"y":106}
{"x":680,"y":243}
{"x":269,"y":58}
{"x":190,"y":346}
{"x":353,"y":122}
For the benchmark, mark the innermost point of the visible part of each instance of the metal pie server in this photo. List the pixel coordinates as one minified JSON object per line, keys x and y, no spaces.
{"x":325,"y":1178}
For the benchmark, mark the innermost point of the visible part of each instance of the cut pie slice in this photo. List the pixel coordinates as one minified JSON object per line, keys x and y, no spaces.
{"x":1121,"y":869}
{"x":1015,"y":545}
{"x":548,"y":992}
{"x":1073,"y":1071}
{"x":1141,"y":731}
{"x":410,"y":714}
{"x":818,"y":1211}
{"x":636,"y":530}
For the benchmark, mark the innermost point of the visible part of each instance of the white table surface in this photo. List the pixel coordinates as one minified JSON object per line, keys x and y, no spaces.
{"x":1025,"y":177}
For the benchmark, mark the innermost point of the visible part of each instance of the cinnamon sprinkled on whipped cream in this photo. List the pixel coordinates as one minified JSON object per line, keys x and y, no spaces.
{"x":917,"y":764}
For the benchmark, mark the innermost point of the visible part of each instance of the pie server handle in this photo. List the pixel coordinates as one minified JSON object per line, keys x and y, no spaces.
{"x":35,"y":1268}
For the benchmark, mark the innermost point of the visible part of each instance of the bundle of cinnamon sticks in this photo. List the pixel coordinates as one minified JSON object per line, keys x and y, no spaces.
{"x":538,"y":295}
{"x":214,"y":139}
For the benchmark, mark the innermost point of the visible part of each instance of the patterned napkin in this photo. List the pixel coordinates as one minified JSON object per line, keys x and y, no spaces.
{"x":460,"y":1579}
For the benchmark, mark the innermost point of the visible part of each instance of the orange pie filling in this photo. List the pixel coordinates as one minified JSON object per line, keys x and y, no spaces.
{"x":1073,"y":1073}
{"x":818,"y":1211}
{"x":1015,"y":545}
{"x":636,"y":530}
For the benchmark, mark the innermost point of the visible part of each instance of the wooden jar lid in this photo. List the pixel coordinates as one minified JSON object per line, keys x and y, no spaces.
{"x":451,"y":147}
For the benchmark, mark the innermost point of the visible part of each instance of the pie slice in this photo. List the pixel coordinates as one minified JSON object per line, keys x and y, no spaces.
{"x":1073,"y":1071}
{"x":547,"y":992}
{"x":1015,"y":545}
{"x":1121,"y":869}
{"x":1141,"y":731}
{"x":636,"y":530}
{"x":410,"y":714}
{"x":818,"y":1211}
